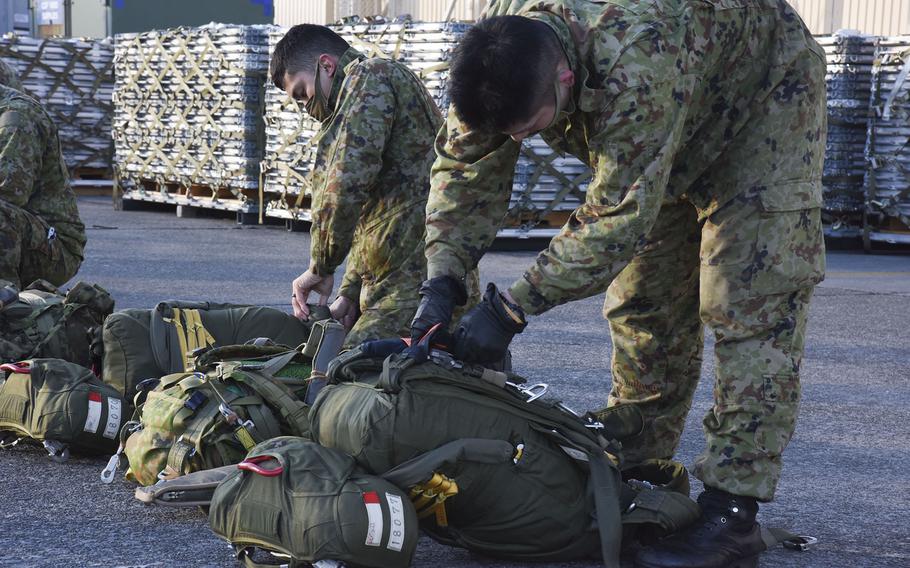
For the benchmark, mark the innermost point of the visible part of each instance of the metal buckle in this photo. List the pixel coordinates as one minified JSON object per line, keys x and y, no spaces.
{"x":535,"y":391}
{"x":57,"y":451}
{"x":800,"y":543}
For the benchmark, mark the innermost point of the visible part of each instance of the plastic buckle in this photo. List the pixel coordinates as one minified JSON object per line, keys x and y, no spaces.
{"x":56,"y":451}
{"x":196,"y":400}
{"x":800,"y":543}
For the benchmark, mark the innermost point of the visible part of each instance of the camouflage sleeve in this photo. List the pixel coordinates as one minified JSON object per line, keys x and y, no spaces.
{"x":470,"y":188}
{"x":637,"y":137}
{"x":352,"y":281}
{"x":21,"y":147}
{"x":363,"y":123}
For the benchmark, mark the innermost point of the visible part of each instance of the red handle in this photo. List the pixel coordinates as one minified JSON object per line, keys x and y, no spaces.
{"x":16,"y":368}
{"x":252,"y":464}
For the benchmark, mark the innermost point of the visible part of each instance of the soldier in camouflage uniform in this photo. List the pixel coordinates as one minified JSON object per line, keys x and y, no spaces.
{"x":703,"y":123}
{"x":41,"y":235}
{"x":370,"y":178}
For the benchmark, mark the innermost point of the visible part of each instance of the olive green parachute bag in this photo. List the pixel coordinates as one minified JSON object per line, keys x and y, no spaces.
{"x":554,"y":491}
{"x":59,"y":404}
{"x":308,"y":503}
{"x":143,"y":344}
{"x":42,"y":322}
{"x":234,"y":398}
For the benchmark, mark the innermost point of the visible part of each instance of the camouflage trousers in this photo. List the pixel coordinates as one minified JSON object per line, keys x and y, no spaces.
{"x":26,"y":252}
{"x":747,"y":273}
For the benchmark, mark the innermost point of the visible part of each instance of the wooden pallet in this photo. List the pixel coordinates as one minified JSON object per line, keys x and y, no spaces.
{"x":188,"y":200}
{"x":91,"y":181}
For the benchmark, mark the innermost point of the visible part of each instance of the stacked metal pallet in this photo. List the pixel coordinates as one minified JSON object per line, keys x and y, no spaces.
{"x":423,"y":47}
{"x":188,"y":124}
{"x":849,"y":79}
{"x":888,"y":149}
{"x":73,"y":79}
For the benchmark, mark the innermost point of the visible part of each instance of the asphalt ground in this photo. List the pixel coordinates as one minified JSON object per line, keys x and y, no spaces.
{"x":845,"y":476}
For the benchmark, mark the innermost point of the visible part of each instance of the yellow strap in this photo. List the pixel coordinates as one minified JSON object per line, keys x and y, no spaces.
{"x":181,"y":335}
{"x":245,"y":438}
{"x":429,"y":498}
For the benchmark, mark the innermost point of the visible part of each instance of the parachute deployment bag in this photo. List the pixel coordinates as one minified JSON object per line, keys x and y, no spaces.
{"x":60,"y":404}
{"x":295,"y":498}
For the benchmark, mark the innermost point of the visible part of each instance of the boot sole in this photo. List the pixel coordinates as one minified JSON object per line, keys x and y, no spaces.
{"x":749,"y":562}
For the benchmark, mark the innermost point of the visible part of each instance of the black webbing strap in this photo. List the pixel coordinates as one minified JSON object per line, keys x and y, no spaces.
{"x":606,"y":480}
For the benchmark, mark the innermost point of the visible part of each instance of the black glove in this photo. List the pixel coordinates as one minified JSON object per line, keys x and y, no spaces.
{"x":484,"y":333}
{"x":438,"y":298}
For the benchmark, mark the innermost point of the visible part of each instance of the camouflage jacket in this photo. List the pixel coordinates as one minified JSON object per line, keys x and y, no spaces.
{"x":660,"y":89}
{"x":33,"y":175}
{"x":372,"y":171}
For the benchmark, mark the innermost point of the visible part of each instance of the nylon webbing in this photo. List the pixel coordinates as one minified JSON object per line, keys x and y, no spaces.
{"x":605,"y":480}
{"x":429,"y":497}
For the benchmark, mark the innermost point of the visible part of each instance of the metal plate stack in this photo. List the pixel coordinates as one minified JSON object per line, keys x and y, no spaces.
{"x":888,"y":150}
{"x":423,"y":47}
{"x":188,"y":115}
{"x":849,"y":81}
{"x":74,"y":80}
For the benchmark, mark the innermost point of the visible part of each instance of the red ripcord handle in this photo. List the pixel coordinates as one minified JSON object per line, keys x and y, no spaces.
{"x":428,"y":334}
{"x":252,"y":464}
{"x":16,"y":368}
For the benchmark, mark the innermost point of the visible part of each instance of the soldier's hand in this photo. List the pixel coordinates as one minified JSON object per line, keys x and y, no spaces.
{"x":483,"y":335}
{"x":301,"y":288}
{"x":345,"y":311}
{"x":438,"y":298}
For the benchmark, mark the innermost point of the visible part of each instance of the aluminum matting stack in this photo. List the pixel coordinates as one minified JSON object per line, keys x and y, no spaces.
{"x":423,"y":47}
{"x":188,"y":113}
{"x":888,"y":149}
{"x":849,"y":57}
{"x":74,"y":80}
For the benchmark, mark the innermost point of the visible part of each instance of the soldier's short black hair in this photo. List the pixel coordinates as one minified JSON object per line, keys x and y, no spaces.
{"x":298,"y":49}
{"x":502,"y":71}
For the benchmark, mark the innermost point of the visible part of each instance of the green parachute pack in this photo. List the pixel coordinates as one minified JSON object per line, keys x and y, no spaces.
{"x":532,"y":480}
{"x":42,"y":322}
{"x":142,"y":344}
{"x":309,"y":503}
{"x":59,"y":404}
{"x":234,"y":398}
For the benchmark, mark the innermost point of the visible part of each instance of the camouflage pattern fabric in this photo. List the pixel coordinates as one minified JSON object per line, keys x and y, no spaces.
{"x":41,"y":235}
{"x":370,"y":186}
{"x":704,"y":126}
{"x":9,"y":77}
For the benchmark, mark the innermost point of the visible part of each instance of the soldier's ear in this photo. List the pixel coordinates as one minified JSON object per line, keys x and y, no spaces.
{"x":328,"y":64}
{"x":566,"y":77}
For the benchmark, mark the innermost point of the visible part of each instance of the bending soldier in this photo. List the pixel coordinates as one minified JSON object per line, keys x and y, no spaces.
{"x":370,"y":179}
{"x":41,"y":234}
{"x":704,"y":126}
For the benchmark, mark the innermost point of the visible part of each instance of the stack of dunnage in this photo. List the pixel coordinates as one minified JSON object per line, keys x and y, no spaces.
{"x":423,"y":47}
{"x":888,"y":150}
{"x":849,"y":79}
{"x":73,"y":79}
{"x":188,"y":114}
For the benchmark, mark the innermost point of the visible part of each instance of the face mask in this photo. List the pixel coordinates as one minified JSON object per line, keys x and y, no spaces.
{"x":318,"y":106}
{"x":560,"y":113}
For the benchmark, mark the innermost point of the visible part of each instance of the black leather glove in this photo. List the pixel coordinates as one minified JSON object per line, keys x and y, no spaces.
{"x":484,"y":333}
{"x":438,"y":298}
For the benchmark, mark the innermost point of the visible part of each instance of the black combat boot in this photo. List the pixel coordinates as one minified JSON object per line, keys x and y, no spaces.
{"x":725,"y":536}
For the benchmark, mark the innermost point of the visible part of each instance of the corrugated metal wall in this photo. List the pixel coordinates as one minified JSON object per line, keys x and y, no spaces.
{"x":877,"y":17}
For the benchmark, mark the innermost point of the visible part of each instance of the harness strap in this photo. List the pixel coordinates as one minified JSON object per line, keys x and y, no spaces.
{"x":292,"y":410}
{"x":606,"y":481}
{"x":429,"y":497}
{"x":181,"y":334}
{"x":185,"y":446}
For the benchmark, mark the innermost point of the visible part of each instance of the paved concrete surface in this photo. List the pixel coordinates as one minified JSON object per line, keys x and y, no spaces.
{"x":845,"y":479}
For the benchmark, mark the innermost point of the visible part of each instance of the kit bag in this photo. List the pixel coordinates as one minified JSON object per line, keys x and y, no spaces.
{"x":235,"y":397}
{"x":529,"y":479}
{"x":309,"y":503}
{"x":42,"y":322}
{"x":143,"y":344}
{"x":59,"y":404}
